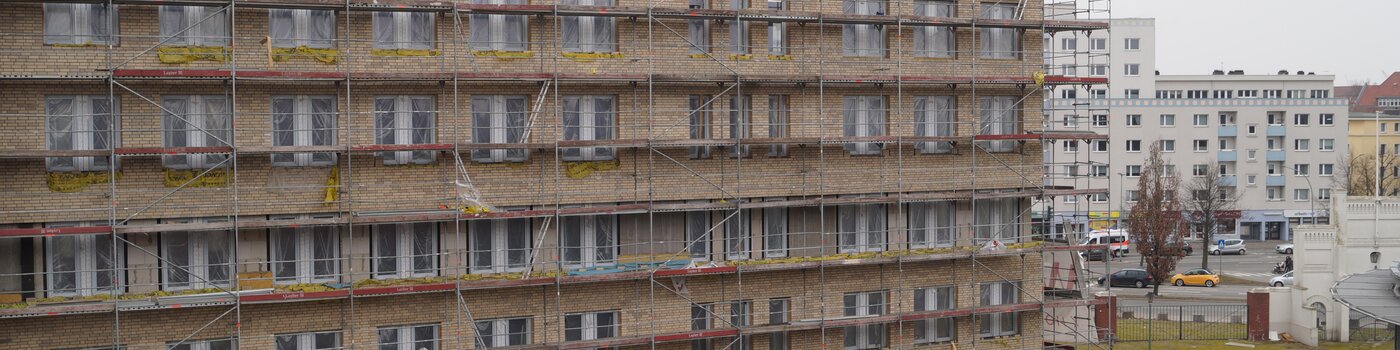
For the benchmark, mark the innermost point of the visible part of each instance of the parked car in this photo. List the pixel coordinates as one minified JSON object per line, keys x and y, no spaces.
{"x":1137,"y":278}
{"x":1285,"y":279}
{"x":1232,"y":246}
{"x":1197,"y":277}
{"x":1094,"y":255}
{"x":1286,"y":248}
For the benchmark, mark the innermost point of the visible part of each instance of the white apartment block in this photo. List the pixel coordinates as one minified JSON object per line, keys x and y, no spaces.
{"x":1279,"y":139}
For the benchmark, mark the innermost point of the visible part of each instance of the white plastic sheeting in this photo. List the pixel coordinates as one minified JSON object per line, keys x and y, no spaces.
{"x":77,"y":24}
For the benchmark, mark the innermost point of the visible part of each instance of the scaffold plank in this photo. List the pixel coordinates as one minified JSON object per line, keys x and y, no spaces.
{"x":54,"y":153}
{"x":407,"y":147}
{"x":54,"y":231}
{"x":164,"y":151}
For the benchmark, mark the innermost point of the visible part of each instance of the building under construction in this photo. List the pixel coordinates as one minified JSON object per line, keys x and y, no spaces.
{"x":408,"y":174}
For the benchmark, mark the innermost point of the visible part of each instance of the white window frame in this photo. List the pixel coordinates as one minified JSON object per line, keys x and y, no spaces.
{"x":1132,"y":44}
{"x":188,"y":26}
{"x":861,"y":228}
{"x":199,"y":245}
{"x":995,"y":325}
{"x":86,"y":24}
{"x":1132,"y":69}
{"x":490,"y":338}
{"x":999,"y":43}
{"x":1302,"y":145}
{"x":738,"y":235}
{"x":1098,"y":70}
{"x":1325,"y":169}
{"x":304,"y":131}
{"x":602,"y":36}
{"x":587,"y":110}
{"x":700,"y":123}
{"x":863,"y":40}
{"x":494,"y":122}
{"x":309,"y":28}
{"x":499,"y":32}
{"x":406,"y":337}
{"x":499,"y":232}
{"x":1132,"y":171}
{"x":210,"y":126}
{"x":935,"y":330}
{"x":1200,"y":120}
{"x":589,"y":327}
{"x":1301,"y":195}
{"x":306,"y":341}
{"x":997,"y":219}
{"x":84,"y":263}
{"x":938,"y":227}
{"x":589,"y":247}
{"x":999,"y":115}
{"x":701,"y":318}
{"x":1200,"y":145}
{"x":1132,"y":145}
{"x":698,"y":30}
{"x":82,"y":131}
{"x":935,"y":116}
{"x":1301,"y":119}
{"x":775,"y":231}
{"x":304,"y":249}
{"x":740,"y":122}
{"x":864,"y":304}
{"x":212,"y":344}
{"x":935,"y":41}
{"x":1133,"y":120}
{"x":400,"y":126}
{"x":864,"y":115}
{"x":1098,"y":44}
{"x":394,"y":30}
{"x":404,"y":256}
{"x":1168,"y":145}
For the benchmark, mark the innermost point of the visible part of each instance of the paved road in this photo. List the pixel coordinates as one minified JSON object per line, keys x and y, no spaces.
{"x":1254,"y":266}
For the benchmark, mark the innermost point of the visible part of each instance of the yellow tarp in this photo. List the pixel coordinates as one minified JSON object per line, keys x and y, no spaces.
{"x":744,"y":57}
{"x":327,"y":56}
{"x":1039,"y":78}
{"x":215,"y":178}
{"x":780,"y":57}
{"x":699,"y":55}
{"x":579,"y":170}
{"x":403,"y":52}
{"x":77,"y":181}
{"x":187,"y":54}
{"x":333,"y":187}
{"x":591,"y":56}
{"x":505,"y":55}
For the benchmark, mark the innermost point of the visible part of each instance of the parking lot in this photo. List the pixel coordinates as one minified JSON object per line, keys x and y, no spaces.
{"x":1240,"y":273}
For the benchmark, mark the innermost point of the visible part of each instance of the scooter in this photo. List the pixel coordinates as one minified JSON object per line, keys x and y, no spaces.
{"x":1280,"y":269}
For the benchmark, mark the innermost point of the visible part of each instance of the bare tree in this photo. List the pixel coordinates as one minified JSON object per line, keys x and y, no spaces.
{"x":1357,"y":174}
{"x":1154,"y":225}
{"x":1208,"y":195}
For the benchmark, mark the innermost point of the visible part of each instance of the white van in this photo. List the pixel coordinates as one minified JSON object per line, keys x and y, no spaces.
{"x":1116,"y":239}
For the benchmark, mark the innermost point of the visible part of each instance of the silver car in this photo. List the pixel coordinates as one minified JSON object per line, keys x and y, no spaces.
{"x":1286,"y":248}
{"x":1285,"y":279}
{"x":1232,"y":246}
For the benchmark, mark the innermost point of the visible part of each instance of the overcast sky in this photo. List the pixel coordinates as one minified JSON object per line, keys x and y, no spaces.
{"x":1355,"y":40}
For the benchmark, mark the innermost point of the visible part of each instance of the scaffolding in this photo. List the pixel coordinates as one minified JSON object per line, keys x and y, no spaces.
{"x":665,"y":143}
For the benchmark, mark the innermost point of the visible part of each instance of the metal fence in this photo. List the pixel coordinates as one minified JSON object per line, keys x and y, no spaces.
{"x":1182,"y":322}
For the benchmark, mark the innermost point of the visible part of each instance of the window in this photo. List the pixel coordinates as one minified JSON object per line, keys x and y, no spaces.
{"x":501,"y":245}
{"x":739,"y":31}
{"x":303,"y":121}
{"x":861,"y":228}
{"x":589,"y":241}
{"x":1199,"y":170}
{"x":777,"y":32}
{"x":1098,"y":170}
{"x":1169,"y":94}
{"x":1134,"y":120}
{"x":1273,"y":93}
{"x":199,"y":121}
{"x":740,"y":122}
{"x":1069,"y":44}
{"x":1325,"y":169}
{"x":1388,"y":102}
{"x":934,"y":41}
{"x":305,"y":254}
{"x":1132,"y":171}
{"x":863,"y":116}
{"x":700,"y":316}
{"x":1132,"y":94}
{"x":499,"y":119}
{"x":1002,"y":324}
{"x":1324,"y":193}
{"x":1132,"y":44}
{"x":1099,"y":120}
{"x":1167,"y":119}
{"x":423,"y":337}
{"x":1301,"y":169}
{"x":1197,"y":94}
{"x":998,"y":219}
{"x":699,"y":30}
{"x":871,"y":336}
{"x":82,"y":265}
{"x":1069,"y":93}
{"x":188,"y":26}
{"x":590,"y":325}
{"x":1069,"y":70}
{"x":1131,"y":69}
{"x":1296,"y":93}
{"x":589,"y":33}
{"x":79,"y":123}
{"x":1131,"y":196}
{"x":698,"y":231}
{"x":1098,"y":44}
{"x":405,"y":120}
{"x":934,"y":116}
{"x":404,"y":30}
{"x":778,"y":313}
{"x":219,"y":344}
{"x":778,"y":123}
{"x":308,"y":341}
{"x":405,"y":250}
{"x":1227,"y":119}
{"x":999,"y":115}
{"x":1071,"y":146}
{"x":1002,"y":43}
{"x":78,"y":24}
{"x":589,"y":118}
{"x":503,"y":332}
{"x":1200,"y":120}
{"x":736,"y":234}
{"x":295,"y":28}
{"x":1300,"y":119}
{"x":775,"y":231}
{"x":1248,"y":93}
{"x":1200,"y":145}
{"x":1326,"y":119}
{"x":739,"y":317}
{"x":931,"y":224}
{"x":1300,"y":145}
{"x":1134,"y":145}
{"x":1251,"y":154}
{"x":1227,"y":144}
{"x":937,"y":329}
{"x":1223,"y":94}
{"x":1319,"y":93}
{"x":1098,"y":70}
{"x":1274,"y":193}
{"x":1168,"y":170}
{"x":863,"y":40}
{"x":699,"y":123}
{"x":1098,"y":198}
{"x":1251,"y":129}
{"x":1098,"y":94}
{"x":1168,"y":145}
{"x":196,"y":260}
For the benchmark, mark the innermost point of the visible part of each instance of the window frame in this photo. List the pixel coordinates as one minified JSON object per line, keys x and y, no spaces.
{"x":82,"y":112}
{"x":404,"y":256}
{"x":304,"y":132}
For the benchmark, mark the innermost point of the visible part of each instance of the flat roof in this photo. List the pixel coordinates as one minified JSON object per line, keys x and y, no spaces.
{"x":1371,"y":293}
{"x":1254,"y":77}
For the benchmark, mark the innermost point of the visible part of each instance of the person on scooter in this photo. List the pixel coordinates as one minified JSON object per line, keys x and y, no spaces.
{"x":1287,"y":264}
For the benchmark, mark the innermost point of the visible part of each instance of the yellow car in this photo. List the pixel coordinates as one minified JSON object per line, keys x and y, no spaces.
{"x":1198,"y":277}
